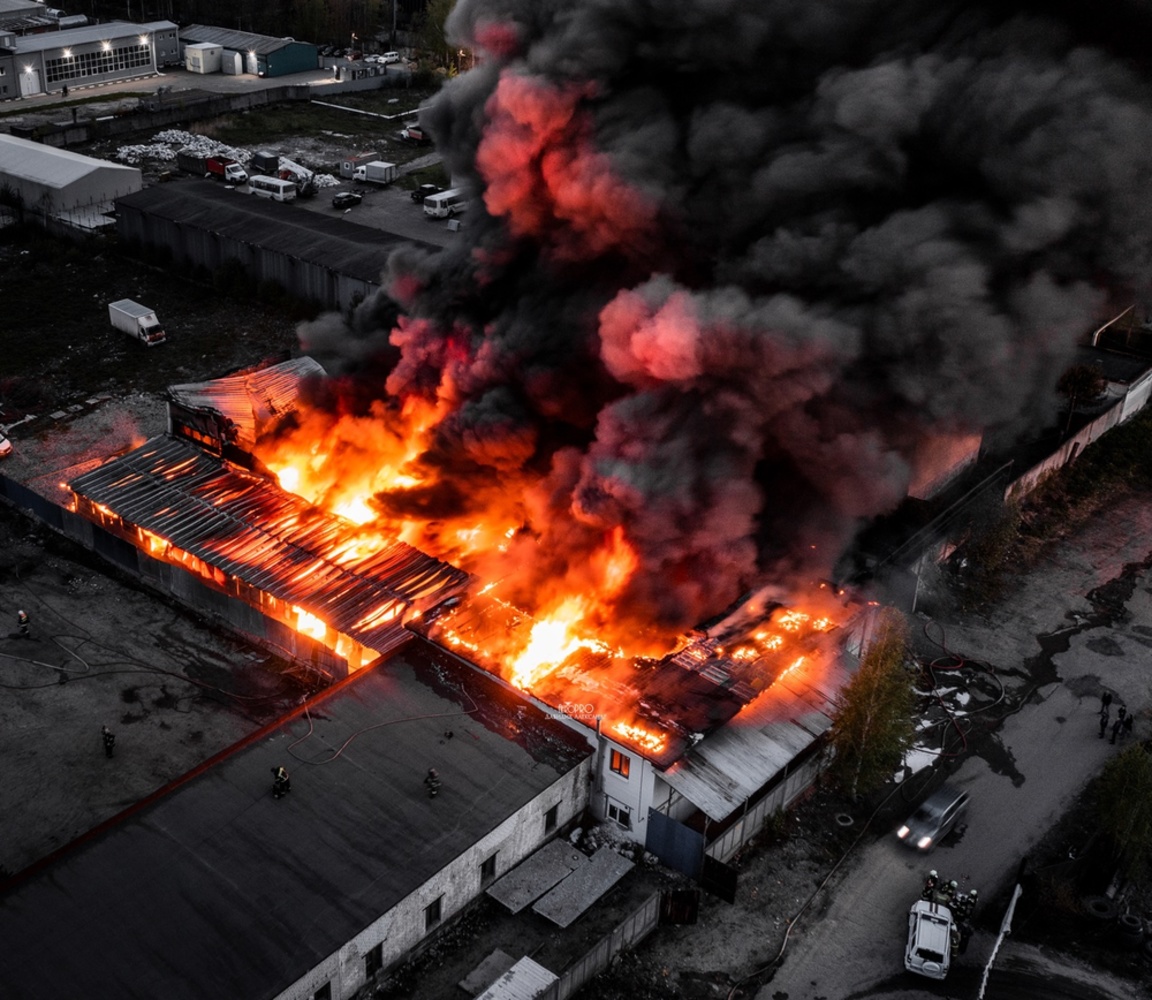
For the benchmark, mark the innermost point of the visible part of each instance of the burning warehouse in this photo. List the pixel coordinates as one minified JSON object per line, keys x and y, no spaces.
{"x":214,"y":528}
{"x":729,"y":269}
{"x":269,"y":563}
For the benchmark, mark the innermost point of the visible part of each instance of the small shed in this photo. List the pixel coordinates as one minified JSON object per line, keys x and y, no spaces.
{"x":232,"y":64}
{"x":203,"y":57}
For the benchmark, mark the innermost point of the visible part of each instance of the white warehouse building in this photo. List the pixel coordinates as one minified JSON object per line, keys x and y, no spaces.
{"x":59,"y":184}
{"x":80,"y":57}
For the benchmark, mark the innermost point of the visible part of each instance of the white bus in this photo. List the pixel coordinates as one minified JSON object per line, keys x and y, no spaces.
{"x":272,"y":187}
{"x":446,"y":204}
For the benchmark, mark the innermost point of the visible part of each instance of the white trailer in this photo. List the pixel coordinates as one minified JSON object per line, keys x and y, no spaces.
{"x":376,"y":172}
{"x":137,"y":321}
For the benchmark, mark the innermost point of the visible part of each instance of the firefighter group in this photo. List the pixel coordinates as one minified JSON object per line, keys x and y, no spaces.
{"x":960,"y":904}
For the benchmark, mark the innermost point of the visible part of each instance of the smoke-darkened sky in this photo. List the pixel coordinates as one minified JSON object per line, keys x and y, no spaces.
{"x":732,"y":261}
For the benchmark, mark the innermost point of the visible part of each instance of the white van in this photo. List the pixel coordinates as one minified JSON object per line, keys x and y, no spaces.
{"x":272,"y":187}
{"x":930,"y":939}
{"x":446,"y":204}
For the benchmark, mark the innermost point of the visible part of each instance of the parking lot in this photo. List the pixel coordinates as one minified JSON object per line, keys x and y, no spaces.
{"x":389,"y":208}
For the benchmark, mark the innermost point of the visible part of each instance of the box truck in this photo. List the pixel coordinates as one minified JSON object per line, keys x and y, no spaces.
{"x":376,"y":172}
{"x":223,"y":168}
{"x":265,"y":164}
{"x":137,"y":321}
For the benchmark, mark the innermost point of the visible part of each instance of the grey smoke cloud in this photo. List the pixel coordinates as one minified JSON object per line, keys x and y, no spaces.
{"x":736,"y":258}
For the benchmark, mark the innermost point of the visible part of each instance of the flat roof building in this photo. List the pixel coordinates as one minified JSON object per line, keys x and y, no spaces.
{"x":214,"y":888}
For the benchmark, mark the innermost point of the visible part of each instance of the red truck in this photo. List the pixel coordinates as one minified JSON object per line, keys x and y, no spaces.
{"x":414,"y":135}
{"x":223,"y":168}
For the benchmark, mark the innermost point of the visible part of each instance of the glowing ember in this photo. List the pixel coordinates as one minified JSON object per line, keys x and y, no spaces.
{"x":309,"y":624}
{"x":646,"y":739}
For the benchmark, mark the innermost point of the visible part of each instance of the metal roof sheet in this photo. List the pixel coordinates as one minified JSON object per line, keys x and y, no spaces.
{"x":725,"y":769}
{"x":106,"y":31}
{"x":332,"y":242}
{"x":240,"y":41}
{"x":564,"y":903}
{"x":34,"y":161}
{"x":251,"y":529}
{"x":249,"y":399}
{"x":213,"y":889}
{"x":526,"y":980}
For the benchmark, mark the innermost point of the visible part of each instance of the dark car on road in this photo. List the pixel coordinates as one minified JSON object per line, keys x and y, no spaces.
{"x":937,"y":817}
{"x":346,"y":199}
{"x":423,"y":191}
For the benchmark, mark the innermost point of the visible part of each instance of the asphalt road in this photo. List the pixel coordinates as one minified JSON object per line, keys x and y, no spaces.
{"x":850,"y":945}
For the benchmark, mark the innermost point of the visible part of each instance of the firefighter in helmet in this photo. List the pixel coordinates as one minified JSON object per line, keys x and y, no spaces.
{"x":281,"y":783}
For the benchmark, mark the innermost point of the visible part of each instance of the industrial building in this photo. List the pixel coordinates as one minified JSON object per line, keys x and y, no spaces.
{"x":214,"y":888}
{"x":687,"y":755}
{"x":694,"y":751}
{"x":85,"y":56}
{"x":62,"y":185}
{"x":698,"y":749}
{"x":258,"y":55}
{"x":325,"y":259}
{"x":264,"y":561}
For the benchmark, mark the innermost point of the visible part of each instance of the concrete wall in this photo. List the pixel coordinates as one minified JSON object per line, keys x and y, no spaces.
{"x":205,"y":248}
{"x":402,"y":928}
{"x":1134,"y":400}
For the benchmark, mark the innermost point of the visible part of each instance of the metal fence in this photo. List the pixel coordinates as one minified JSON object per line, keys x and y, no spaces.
{"x":795,"y":783}
{"x":631,"y":931}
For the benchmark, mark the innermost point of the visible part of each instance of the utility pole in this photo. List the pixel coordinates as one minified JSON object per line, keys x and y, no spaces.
{"x":392,"y":37}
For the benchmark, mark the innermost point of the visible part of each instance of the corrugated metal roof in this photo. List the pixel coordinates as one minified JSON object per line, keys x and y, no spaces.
{"x":240,"y":41}
{"x":107,"y":31}
{"x":332,"y":242}
{"x":249,"y":399}
{"x":526,"y":980}
{"x":725,"y":769}
{"x":275,"y":541}
{"x":33,"y":161}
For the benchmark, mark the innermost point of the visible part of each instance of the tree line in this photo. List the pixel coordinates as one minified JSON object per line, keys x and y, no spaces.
{"x":344,"y":23}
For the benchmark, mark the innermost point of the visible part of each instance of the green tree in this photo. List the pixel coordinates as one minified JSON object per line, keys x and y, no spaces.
{"x":872,"y":726}
{"x":1124,"y":808}
{"x":429,"y":32}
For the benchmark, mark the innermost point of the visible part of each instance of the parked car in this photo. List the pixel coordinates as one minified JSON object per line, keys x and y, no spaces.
{"x":346,"y":199}
{"x":5,"y":447}
{"x":935,"y":818}
{"x":930,"y":930}
{"x":390,"y":57}
{"x":423,"y":191}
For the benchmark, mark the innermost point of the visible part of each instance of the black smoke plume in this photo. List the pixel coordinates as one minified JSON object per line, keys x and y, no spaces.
{"x":731,"y":261}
